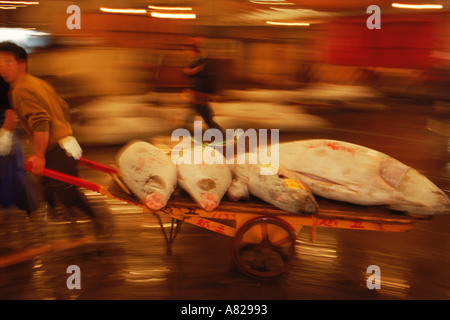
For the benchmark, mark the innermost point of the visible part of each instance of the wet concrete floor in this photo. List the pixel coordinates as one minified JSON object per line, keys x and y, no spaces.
{"x":129,"y":260}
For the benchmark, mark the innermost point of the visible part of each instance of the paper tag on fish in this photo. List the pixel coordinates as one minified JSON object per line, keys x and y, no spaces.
{"x":268,"y":169}
{"x":294,"y":184}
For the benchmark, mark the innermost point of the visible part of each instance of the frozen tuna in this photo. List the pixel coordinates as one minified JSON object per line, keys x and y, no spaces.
{"x":238,"y":189}
{"x":356,"y":174}
{"x":280,"y":189}
{"x":148,"y":172}
{"x":206,"y":181}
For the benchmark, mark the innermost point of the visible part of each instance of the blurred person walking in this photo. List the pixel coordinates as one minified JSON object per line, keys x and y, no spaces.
{"x":203,"y":87}
{"x":16,"y":187}
{"x":45,"y":118}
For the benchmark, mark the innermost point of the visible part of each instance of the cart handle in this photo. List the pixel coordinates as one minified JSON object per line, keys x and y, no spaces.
{"x":67,"y":178}
{"x":97,"y":166}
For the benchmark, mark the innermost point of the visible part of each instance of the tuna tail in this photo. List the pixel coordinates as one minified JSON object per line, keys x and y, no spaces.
{"x":209,"y":201}
{"x":418,"y":195}
{"x":238,"y":190}
{"x":290,"y":177}
{"x":155,"y":201}
{"x":311,"y":205}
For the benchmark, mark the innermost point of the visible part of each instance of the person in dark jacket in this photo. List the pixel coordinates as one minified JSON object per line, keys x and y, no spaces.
{"x":16,"y":187}
{"x":44,"y":116}
{"x":203,"y":88}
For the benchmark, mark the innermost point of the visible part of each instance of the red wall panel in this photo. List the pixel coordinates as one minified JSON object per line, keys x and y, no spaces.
{"x":400,"y":43}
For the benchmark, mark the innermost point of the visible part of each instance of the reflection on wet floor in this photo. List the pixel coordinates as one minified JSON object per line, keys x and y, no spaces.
{"x":130,"y":262}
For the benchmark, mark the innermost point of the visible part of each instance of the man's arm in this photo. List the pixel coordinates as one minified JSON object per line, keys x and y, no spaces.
{"x":194,"y":70}
{"x":10,"y":117}
{"x":40,"y":147}
{"x":36,"y":120}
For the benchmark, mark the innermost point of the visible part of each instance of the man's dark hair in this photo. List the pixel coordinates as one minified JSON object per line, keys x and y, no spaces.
{"x":18,"y":52}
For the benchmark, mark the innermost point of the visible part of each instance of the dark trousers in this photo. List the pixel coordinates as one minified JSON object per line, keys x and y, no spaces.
{"x":17,"y":187}
{"x":205,"y":112}
{"x":57,"y":160}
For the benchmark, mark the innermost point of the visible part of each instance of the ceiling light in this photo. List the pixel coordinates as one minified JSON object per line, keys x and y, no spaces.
{"x":133,"y":11}
{"x":19,"y":2}
{"x":173,"y":15}
{"x":417,"y":6}
{"x":170,"y":8}
{"x":272,"y":2}
{"x":297,"y":24}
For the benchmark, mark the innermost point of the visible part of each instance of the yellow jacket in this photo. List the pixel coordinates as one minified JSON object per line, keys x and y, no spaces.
{"x":40,"y":108}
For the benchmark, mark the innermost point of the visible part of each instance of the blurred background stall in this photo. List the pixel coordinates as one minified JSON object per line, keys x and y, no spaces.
{"x":310,"y":53}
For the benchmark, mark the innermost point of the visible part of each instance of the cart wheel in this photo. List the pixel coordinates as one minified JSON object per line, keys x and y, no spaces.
{"x":264,"y":247}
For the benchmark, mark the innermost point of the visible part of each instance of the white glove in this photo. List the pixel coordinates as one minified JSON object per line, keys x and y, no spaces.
{"x":6,"y":141}
{"x":70,"y":144}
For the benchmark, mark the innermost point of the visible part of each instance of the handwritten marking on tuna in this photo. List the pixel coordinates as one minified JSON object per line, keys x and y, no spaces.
{"x":338,"y":146}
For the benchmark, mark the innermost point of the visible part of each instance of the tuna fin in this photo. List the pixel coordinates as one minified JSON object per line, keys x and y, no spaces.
{"x":392,"y":171}
{"x":317,"y":184}
{"x":297,"y":175}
